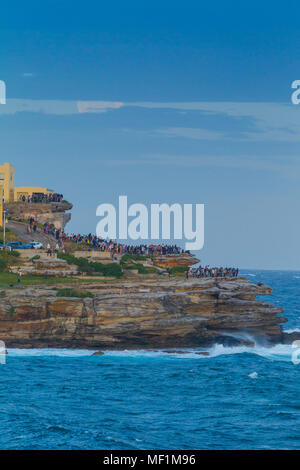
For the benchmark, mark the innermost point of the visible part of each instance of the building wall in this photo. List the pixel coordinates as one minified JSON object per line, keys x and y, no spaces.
{"x":7,"y":185}
{"x":28,"y":191}
{"x":7,"y":181}
{"x":1,"y":206}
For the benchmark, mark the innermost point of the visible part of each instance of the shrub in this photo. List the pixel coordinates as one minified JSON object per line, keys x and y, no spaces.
{"x":132,"y":257}
{"x":111,"y":269}
{"x":11,"y":311}
{"x":3,"y":264}
{"x":90,"y":267}
{"x":7,"y":258}
{"x":178,"y":269}
{"x":139,"y":267}
{"x":68,"y":292}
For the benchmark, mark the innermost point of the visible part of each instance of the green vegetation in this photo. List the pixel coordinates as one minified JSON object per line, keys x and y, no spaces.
{"x":35,"y":257}
{"x":178,"y":269}
{"x":140,"y":268}
{"x":91,"y":267}
{"x":69,"y":292}
{"x":7,"y":258}
{"x":132,"y":257}
{"x":8,"y":279}
{"x":11,"y":312}
{"x":9,"y":236}
{"x":71,"y":246}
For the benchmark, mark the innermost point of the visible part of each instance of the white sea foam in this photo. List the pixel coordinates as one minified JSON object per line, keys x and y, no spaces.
{"x":50,"y":352}
{"x":280,"y":352}
{"x":253,"y":375}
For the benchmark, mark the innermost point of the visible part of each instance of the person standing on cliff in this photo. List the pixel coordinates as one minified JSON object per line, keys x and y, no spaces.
{"x":168,"y":271}
{"x":48,"y":250}
{"x":20,"y":277}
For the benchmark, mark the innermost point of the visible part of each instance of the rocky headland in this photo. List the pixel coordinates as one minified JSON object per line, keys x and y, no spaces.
{"x":141,"y":313}
{"x":73,"y":300}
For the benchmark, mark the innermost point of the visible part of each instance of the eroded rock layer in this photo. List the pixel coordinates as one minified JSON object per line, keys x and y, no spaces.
{"x":140,"y":314}
{"x":53,"y":212}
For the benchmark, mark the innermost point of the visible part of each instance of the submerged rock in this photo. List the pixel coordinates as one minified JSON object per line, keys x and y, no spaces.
{"x":174,"y":351}
{"x":289,"y":338}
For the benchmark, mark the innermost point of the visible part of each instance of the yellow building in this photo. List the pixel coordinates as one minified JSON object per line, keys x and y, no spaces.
{"x":9,"y":193}
{"x":1,"y":206}
{"x":7,"y":182}
{"x":28,"y":191}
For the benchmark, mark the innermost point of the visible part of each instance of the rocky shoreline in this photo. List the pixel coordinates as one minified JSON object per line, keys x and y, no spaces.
{"x":141,"y":314}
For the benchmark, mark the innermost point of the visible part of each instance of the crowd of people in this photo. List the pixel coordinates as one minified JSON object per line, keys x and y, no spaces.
{"x":118,"y":249}
{"x":94,"y":242}
{"x":41,"y":197}
{"x":207,"y":271}
{"x":112,"y":246}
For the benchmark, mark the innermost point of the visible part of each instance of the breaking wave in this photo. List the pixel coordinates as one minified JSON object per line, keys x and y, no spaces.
{"x":279,"y":352}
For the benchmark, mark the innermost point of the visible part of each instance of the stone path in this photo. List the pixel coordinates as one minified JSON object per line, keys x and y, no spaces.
{"x":39,"y":236}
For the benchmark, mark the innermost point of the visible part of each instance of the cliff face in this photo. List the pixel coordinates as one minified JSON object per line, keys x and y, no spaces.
{"x":52,"y":212}
{"x":182,"y":260}
{"x":140,"y":314}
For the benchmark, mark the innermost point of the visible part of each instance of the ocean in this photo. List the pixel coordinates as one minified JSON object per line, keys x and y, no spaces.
{"x":238,"y":398}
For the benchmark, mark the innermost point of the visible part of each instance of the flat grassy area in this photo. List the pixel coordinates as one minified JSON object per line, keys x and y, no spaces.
{"x":11,"y":279}
{"x":9,"y":236}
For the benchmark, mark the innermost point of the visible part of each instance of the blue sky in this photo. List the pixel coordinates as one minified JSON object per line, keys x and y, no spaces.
{"x":185,"y":103}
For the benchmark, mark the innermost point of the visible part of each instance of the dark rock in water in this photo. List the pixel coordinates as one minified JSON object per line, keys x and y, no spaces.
{"x":203,"y":353}
{"x":288,"y":338}
{"x":174,"y":351}
{"x":248,"y":343}
{"x":98,"y":353}
{"x":231,"y":341}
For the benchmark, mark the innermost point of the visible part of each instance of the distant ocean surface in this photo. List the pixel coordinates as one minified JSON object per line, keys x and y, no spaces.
{"x":239,"y":398}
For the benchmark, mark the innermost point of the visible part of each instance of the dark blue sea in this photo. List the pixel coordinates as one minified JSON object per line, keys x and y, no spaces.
{"x":239,"y":398}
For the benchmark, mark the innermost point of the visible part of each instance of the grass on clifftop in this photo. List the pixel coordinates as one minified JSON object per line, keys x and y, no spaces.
{"x":92,"y":267}
{"x":69,"y":292}
{"x":179,"y":270}
{"x":9,"y":236}
{"x":8,"y":279}
{"x":7,"y":259}
{"x":127,"y":258}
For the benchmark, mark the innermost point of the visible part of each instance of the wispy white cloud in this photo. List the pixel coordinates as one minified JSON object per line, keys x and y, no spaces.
{"x":191,"y":133}
{"x":28,"y":74}
{"x":98,"y":106}
{"x":276,"y":122}
{"x":284,"y":165}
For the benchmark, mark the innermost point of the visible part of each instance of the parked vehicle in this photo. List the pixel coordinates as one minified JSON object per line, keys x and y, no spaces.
{"x":36,"y":245}
{"x":18,"y":245}
{"x":14,"y":245}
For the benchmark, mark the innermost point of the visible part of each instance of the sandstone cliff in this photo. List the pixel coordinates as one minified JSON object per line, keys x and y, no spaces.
{"x":140,"y":314}
{"x":53,"y":212}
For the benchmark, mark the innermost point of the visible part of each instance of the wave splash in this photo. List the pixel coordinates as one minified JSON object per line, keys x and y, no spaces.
{"x":279,"y":352}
